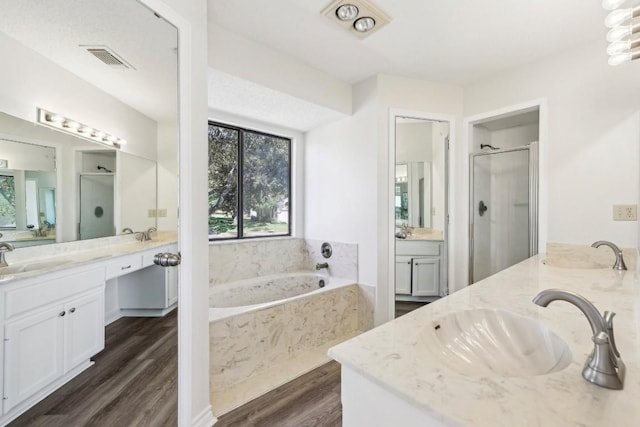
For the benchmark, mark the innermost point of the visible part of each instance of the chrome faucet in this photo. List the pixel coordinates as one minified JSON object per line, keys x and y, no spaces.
{"x":5,"y":247}
{"x":619,"y":264}
{"x":320,"y":266}
{"x":145,"y":236}
{"x":604,"y":367}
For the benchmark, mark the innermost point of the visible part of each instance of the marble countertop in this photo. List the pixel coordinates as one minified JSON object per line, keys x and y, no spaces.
{"x":74,"y":254}
{"x":424,"y":234}
{"x":394,"y":357}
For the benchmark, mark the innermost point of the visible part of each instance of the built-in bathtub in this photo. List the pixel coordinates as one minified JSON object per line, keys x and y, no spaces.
{"x":258,"y":326}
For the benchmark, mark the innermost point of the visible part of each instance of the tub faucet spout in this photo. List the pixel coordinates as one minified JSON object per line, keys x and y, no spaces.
{"x":320,"y":266}
{"x":604,"y":366}
{"x":619,"y":264}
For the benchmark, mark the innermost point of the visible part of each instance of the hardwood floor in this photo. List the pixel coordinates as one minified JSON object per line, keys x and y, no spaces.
{"x":404,"y":307}
{"x":132,"y":383}
{"x":310,"y":400}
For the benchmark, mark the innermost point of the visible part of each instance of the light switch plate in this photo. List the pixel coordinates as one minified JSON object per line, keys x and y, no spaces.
{"x":162,"y":213}
{"x":151,"y":213}
{"x":625,"y":212}
{"x":4,"y":164}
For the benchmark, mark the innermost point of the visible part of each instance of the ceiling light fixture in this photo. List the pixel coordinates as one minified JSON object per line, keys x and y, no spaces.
{"x":364,"y":24}
{"x":623,"y":47}
{"x":360,"y":17}
{"x":347,"y":12}
{"x":72,"y":127}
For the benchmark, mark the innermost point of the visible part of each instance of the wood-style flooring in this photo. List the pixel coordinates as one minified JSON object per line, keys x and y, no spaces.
{"x":312,"y":400}
{"x":404,"y":307}
{"x":132,"y":383}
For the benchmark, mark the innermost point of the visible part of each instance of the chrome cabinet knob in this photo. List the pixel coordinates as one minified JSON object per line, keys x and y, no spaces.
{"x":167,"y":259}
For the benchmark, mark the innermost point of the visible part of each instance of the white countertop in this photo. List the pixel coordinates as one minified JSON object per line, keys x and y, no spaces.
{"x":394,"y":357}
{"x":75,"y":254}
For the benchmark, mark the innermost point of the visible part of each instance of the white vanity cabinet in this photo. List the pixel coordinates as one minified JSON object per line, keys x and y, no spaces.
{"x":419,"y":269}
{"x":150,"y":291}
{"x":52,"y":326}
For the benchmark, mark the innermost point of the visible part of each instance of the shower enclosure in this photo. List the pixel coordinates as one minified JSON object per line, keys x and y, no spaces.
{"x":503,"y":209}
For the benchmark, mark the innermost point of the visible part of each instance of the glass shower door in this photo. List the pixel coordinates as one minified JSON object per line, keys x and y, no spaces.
{"x":501,"y":211}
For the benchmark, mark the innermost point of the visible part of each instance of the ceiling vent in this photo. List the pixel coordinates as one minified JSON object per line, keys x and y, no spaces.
{"x":108,"y":56}
{"x":360,"y":17}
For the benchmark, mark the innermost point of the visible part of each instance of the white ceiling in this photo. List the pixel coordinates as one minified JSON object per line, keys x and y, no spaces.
{"x":56,"y":28}
{"x":454,"y":41}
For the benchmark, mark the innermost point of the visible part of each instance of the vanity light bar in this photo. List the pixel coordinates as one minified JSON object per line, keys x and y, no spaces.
{"x":622,"y":36}
{"x":76,"y":128}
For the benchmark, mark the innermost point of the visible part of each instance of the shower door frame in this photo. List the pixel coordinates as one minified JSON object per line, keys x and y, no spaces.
{"x":533,"y":149}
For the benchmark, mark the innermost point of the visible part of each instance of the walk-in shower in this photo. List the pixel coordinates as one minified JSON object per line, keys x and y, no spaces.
{"x":503,"y":209}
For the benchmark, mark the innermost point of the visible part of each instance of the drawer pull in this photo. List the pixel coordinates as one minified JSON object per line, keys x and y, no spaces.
{"x":126,"y":267}
{"x":72,"y":310}
{"x":62,"y":313}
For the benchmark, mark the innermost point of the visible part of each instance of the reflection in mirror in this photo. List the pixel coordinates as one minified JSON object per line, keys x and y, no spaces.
{"x":98,"y":192}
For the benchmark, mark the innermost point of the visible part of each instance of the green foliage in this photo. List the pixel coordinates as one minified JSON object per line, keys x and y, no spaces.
{"x":265,"y":177}
{"x":7,"y":197}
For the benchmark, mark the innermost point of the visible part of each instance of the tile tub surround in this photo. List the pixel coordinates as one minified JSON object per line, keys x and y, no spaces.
{"x":247,"y":344}
{"x":585,"y":253}
{"x":231,"y":261}
{"x":393,"y":355}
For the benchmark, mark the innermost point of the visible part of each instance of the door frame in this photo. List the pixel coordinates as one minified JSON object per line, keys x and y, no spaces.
{"x":543,"y":140}
{"x":449,"y":247}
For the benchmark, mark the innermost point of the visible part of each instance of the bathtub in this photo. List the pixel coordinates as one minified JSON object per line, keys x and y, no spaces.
{"x":257,"y":326}
{"x":259,"y":293}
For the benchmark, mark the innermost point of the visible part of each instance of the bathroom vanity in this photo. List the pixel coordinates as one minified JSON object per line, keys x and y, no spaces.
{"x":52,"y":311}
{"x":411,"y":364}
{"x":420,"y":270}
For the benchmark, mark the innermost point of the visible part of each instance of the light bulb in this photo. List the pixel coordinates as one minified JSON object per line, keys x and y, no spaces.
{"x":618,"y":33}
{"x":122,"y":141}
{"x":620,"y":58}
{"x":618,"y":47}
{"x":612,"y":4}
{"x":364,"y":24}
{"x":347,"y":12}
{"x":56,"y":118}
{"x":618,"y":17}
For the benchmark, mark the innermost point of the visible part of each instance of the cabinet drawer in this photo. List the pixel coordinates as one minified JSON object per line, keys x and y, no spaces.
{"x":418,"y":248}
{"x":124,"y":265}
{"x":26,"y":298}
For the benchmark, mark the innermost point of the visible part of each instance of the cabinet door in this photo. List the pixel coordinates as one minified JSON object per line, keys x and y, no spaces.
{"x":426,"y":277}
{"x":172,"y":285}
{"x":33,"y":354}
{"x":84,"y":328}
{"x":403,"y":275}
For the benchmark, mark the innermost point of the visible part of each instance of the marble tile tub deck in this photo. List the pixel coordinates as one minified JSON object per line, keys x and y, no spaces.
{"x":393,"y":355}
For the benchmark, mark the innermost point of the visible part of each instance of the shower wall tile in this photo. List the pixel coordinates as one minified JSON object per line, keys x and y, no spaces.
{"x":342,"y":263}
{"x":585,"y":253}
{"x":231,"y":261}
{"x":249,"y":344}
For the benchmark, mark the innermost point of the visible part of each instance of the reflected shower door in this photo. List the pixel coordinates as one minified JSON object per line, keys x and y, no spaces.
{"x":96,"y":206}
{"x":502,"y":213}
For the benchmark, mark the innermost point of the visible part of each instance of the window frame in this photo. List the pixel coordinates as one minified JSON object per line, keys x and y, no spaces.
{"x":240,"y":179}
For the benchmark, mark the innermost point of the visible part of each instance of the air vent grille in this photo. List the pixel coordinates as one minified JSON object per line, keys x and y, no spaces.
{"x":108,"y":56}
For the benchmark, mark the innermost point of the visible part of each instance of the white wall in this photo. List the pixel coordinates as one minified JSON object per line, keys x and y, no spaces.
{"x":593,"y":139}
{"x":414,"y":142}
{"x":168,"y":174}
{"x":32,"y":79}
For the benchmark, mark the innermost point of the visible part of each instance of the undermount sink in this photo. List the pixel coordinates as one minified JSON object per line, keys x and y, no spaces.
{"x":31,"y":266}
{"x":485,"y":342}
{"x":574,"y":264}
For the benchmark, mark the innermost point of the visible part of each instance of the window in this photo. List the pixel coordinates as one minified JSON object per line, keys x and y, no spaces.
{"x":7,"y":201}
{"x":249,"y":183}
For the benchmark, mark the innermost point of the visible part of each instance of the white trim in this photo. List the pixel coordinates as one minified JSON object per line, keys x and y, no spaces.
{"x":451,"y":259}
{"x":543,"y":139}
{"x":205,"y":418}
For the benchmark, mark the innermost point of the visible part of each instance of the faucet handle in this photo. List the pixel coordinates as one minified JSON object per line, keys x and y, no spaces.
{"x":608,"y":321}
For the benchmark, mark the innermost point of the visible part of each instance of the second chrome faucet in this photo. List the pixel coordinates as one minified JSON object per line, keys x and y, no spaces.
{"x":619,"y":264}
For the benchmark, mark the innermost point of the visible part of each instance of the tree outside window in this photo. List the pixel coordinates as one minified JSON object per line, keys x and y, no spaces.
{"x":249,"y":183}
{"x":7,"y":202}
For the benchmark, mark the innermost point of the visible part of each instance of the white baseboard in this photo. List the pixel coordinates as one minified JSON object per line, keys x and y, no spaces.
{"x":147,"y":312}
{"x":205,"y":418}
{"x":112,"y":316}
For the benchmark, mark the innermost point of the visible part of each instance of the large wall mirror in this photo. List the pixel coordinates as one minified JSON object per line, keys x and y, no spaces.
{"x":115,"y":73}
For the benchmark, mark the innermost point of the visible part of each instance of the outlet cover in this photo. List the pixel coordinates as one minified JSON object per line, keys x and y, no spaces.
{"x":162,"y":213}
{"x":625,"y":212}
{"x":151,"y":213}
